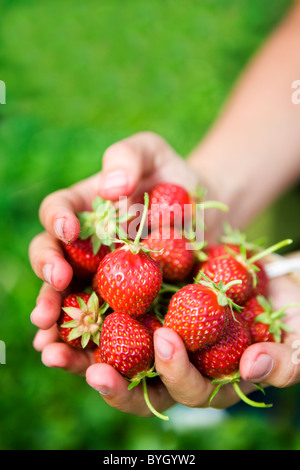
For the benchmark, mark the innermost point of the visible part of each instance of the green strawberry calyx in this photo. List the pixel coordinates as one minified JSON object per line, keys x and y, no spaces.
{"x":236,"y":237}
{"x":102,"y":224}
{"x":273,"y":318}
{"x":220,"y":290}
{"x":234,"y":379}
{"x":86,"y":320}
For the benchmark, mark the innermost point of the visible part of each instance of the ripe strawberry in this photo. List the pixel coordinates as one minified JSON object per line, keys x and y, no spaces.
{"x":82,"y":258}
{"x":233,"y":266}
{"x":264,"y":322}
{"x":172,"y":252}
{"x":167,"y":205}
{"x":228,"y":268}
{"x":129,"y":281}
{"x":127,"y":345}
{"x":198,"y":313}
{"x":128,"y":278}
{"x":210,"y":252}
{"x":235,"y":239}
{"x":221,"y":359}
{"x":213,"y":251}
{"x":80,"y":320}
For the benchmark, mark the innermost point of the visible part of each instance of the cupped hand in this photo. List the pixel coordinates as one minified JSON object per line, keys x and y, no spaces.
{"x":131,"y":167}
{"x":275,"y":364}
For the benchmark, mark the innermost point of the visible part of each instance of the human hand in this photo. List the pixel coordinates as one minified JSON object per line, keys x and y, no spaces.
{"x":180,"y":382}
{"x":130,"y":167}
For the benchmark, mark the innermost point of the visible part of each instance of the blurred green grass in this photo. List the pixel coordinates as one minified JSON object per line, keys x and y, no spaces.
{"x":79,"y":76}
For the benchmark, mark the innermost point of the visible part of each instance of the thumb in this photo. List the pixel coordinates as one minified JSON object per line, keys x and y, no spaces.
{"x":272,"y":364}
{"x":128,"y":161}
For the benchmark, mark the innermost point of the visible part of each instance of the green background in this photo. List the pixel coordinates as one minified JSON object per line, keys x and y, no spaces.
{"x":79,"y":76}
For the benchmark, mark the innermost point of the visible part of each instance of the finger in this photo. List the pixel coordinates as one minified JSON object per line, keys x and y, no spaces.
{"x":114,"y":390}
{"x":63,"y":356}
{"x":44,"y":337}
{"x":58,"y":210}
{"x":48,"y":261}
{"x":127,"y":162}
{"x":273,"y":364}
{"x":184,"y":383}
{"x":48,"y":308}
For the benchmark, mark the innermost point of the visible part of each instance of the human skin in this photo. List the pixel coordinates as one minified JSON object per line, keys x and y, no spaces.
{"x":256,"y":134}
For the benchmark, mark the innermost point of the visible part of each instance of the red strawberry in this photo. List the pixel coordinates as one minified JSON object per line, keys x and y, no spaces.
{"x":127,"y":345}
{"x":198,"y":313}
{"x":213,"y":251}
{"x":172,"y":252}
{"x":83,"y":260}
{"x":167,"y":205}
{"x":80,"y":321}
{"x":229,"y":267}
{"x":129,"y":280}
{"x":221,"y":359}
{"x":210,"y":252}
{"x":264,"y":323}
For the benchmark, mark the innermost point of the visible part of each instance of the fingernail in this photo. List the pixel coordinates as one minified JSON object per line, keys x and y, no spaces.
{"x":115,"y":179}
{"x":59,"y":227}
{"x":47,"y":272}
{"x":261,"y":368}
{"x":105,"y":391}
{"x":163,"y":348}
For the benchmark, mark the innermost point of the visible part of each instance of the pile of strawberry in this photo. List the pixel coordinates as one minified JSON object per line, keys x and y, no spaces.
{"x":215,"y":297}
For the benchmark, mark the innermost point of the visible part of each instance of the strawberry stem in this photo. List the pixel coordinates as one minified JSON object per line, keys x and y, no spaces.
{"x":168,"y":288}
{"x":141,"y":227}
{"x":234,"y":379}
{"x":269,"y":250}
{"x":153,"y":410}
{"x":247,"y":400}
{"x":279,"y":312}
{"x":214,"y":205}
